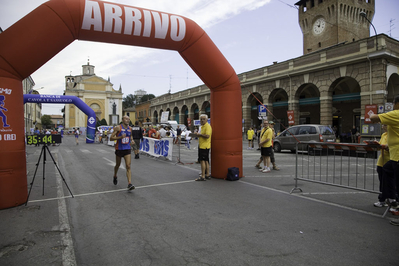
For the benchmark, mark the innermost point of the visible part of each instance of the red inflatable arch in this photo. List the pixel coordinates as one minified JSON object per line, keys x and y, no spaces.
{"x":36,"y":38}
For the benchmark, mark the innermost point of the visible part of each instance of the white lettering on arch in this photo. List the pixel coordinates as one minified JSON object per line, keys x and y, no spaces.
{"x":147,"y":23}
{"x":178,"y":28}
{"x":112,"y":14}
{"x":132,"y":17}
{"x":161,"y":25}
{"x":92,"y":16}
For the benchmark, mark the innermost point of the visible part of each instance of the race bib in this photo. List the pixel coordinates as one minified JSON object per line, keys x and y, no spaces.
{"x":125,"y":140}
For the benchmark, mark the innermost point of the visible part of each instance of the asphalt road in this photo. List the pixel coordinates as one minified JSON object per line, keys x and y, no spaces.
{"x":169,"y":219}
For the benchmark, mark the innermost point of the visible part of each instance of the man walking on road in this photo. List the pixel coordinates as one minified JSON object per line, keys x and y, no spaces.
{"x":123,"y":136}
{"x":204,"y":147}
{"x":137,"y":134}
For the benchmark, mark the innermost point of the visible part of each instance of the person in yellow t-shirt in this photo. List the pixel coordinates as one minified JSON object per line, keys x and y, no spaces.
{"x":382,"y":159}
{"x":204,"y":140}
{"x":250,"y":135}
{"x":391,"y":168}
{"x":265,"y":143}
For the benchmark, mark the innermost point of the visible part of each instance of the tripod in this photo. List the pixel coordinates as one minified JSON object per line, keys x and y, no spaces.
{"x":43,"y":152}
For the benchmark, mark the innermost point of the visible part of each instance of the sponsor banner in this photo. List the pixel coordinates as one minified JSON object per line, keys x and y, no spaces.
{"x":370,"y":110}
{"x":291,"y":118}
{"x":157,"y":147}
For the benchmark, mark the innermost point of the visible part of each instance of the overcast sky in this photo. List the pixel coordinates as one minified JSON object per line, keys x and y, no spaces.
{"x":250,"y":34}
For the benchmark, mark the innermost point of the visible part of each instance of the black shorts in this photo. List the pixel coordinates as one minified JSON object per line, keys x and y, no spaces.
{"x":122,"y":153}
{"x":266,"y":151}
{"x":204,"y":155}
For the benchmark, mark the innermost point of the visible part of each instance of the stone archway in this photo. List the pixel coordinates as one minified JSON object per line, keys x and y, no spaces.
{"x":279,"y":107}
{"x":308,"y":97}
{"x":346,"y":106}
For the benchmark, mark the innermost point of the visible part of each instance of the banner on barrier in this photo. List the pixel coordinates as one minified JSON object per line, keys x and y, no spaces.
{"x":157,"y":147}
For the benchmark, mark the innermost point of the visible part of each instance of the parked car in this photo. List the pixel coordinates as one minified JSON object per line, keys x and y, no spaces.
{"x":315,"y":133}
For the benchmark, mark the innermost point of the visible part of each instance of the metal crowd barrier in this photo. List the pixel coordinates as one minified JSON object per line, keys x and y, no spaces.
{"x":345,"y":165}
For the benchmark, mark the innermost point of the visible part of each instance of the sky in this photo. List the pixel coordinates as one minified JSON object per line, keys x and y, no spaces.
{"x":250,"y":33}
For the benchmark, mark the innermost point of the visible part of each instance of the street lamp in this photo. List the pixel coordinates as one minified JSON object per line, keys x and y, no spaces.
{"x":363,"y":14}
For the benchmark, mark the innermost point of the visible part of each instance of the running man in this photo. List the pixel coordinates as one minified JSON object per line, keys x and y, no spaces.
{"x":123,"y":136}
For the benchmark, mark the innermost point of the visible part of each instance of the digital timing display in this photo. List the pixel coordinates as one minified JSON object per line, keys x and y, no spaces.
{"x":43,"y":139}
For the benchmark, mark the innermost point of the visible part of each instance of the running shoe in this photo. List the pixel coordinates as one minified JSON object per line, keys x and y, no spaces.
{"x":130,"y":187}
{"x":380,"y":204}
{"x":115,"y":180}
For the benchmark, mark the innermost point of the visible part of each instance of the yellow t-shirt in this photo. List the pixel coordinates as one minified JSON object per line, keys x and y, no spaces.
{"x":392,"y":120}
{"x":250,"y":134}
{"x":205,"y":143}
{"x":266,"y":135}
{"x":384,"y":156}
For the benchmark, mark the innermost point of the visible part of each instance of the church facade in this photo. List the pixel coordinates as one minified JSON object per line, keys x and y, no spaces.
{"x":96,"y":92}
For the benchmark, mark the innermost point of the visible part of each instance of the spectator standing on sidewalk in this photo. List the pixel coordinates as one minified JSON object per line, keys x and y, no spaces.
{"x":391,"y":168}
{"x":250,"y":136}
{"x":266,"y":146}
{"x":204,"y":145}
{"x":272,"y":159}
{"x":382,"y":159}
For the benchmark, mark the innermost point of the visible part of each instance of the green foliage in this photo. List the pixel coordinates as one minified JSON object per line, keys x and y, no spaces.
{"x":147,"y":97}
{"x":46,"y":120}
{"x":103,"y":122}
{"x":129,"y":101}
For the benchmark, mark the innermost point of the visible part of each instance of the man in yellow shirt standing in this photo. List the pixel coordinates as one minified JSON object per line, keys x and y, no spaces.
{"x":204,"y":139}
{"x":391,"y":168}
{"x":265,"y":143}
{"x":250,"y":135}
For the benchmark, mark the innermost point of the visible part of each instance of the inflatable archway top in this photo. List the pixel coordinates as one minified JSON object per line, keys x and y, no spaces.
{"x":68,"y":99}
{"x":55,"y":24}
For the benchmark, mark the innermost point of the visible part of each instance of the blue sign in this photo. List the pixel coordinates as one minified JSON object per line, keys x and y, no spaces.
{"x":262,"y":111}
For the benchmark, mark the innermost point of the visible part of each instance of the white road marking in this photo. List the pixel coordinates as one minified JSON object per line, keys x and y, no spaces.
{"x":112,"y":191}
{"x":312,"y":199}
{"x":68,"y":253}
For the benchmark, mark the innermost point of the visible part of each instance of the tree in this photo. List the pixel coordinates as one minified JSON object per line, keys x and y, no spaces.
{"x":147,"y":97}
{"x":103,"y":122}
{"x":46,"y":121}
{"x":129,"y":101}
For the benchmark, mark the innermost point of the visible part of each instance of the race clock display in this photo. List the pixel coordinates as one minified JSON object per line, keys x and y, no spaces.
{"x":43,"y":139}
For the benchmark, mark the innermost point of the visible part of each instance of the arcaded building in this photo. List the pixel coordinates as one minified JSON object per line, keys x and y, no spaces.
{"x":342,"y":70}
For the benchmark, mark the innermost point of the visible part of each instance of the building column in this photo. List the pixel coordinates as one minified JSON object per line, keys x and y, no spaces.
{"x":326,"y":105}
{"x":246,"y":115}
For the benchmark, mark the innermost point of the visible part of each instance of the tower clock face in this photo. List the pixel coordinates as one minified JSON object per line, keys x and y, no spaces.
{"x":319,"y":26}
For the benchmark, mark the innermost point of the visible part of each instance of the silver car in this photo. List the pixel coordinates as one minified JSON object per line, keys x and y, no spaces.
{"x":315,"y":133}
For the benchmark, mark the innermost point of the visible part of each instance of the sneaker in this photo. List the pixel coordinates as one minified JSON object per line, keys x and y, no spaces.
{"x":266,"y":170}
{"x":258,"y":166}
{"x":380,"y":204}
{"x":394,"y":222}
{"x":115,"y":180}
{"x":208,"y":177}
{"x":394,"y":211}
{"x":130,"y":187}
{"x":276,"y":168}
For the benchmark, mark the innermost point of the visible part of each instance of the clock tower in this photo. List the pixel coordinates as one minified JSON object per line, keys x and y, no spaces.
{"x":326,"y":23}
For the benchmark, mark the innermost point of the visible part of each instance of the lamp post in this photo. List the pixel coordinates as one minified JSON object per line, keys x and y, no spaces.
{"x":363,"y":14}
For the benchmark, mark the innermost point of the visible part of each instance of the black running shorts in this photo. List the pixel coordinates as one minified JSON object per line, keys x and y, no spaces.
{"x":122,"y":153}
